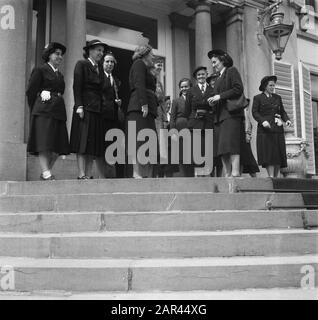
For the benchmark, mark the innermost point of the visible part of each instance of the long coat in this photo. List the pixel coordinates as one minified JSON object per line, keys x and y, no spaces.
{"x":44,"y":78}
{"x":228,"y":86}
{"x":88,"y":85}
{"x":271,"y":146}
{"x":229,"y":127}
{"x":143,"y":87}
{"x":178,"y":118}
{"x":196,"y":100}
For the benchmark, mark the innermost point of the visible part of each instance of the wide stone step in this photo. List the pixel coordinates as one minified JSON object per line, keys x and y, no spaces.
{"x":161,"y":244}
{"x":47,"y":222}
{"x":222,"y":185}
{"x":134,"y":202}
{"x":160,"y":274}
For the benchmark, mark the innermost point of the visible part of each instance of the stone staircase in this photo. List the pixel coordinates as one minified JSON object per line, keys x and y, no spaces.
{"x":158,"y":235}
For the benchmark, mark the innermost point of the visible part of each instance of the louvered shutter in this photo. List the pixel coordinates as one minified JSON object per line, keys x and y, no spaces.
{"x":306,"y":112}
{"x":285,"y":87}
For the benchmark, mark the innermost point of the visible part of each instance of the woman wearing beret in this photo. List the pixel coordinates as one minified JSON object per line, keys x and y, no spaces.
{"x":48,"y":134}
{"x":143,"y":103}
{"x":269,"y":112}
{"x":229,"y":127}
{"x":87,"y":132}
{"x":198,"y":110}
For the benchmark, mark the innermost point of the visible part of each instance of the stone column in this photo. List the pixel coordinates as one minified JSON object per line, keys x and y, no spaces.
{"x":15,"y":16}
{"x":180,"y":49}
{"x":75,"y":41}
{"x":235,"y":40}
{"x":203,"y":32}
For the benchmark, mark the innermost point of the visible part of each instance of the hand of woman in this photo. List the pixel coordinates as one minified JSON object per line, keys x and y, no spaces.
{"x":266,"y":124}
{"x":80,"y":112}
{"x":45,"y":95}
{"x":118,"y":102}
{"x":214,"y":99}
{"x":248,"y":137}
{"x":145,"y":110}
{"x":288,"y":123}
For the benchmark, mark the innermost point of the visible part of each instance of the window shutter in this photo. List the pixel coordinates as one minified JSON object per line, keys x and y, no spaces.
{"x":307,"y":131}
{"x":285,"y":87}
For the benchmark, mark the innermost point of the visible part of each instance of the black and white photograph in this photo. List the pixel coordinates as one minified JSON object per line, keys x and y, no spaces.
{"x":158,"y":155}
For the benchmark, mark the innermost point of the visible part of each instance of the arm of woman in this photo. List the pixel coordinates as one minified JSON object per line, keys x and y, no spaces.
{"x":234,"y":80}
{"x":283,"y":113}
{"x":173,"y":116}
{"x":78,"y":84}
{"x":139,"y":80}
{"x":256,"y":111}
{"x":34,"y":86}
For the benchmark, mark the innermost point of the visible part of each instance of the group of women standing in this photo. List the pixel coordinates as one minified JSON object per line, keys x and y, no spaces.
{"x":203,"y":106}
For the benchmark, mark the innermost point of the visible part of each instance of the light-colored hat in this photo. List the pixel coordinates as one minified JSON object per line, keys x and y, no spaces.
{"x":141,"y":51}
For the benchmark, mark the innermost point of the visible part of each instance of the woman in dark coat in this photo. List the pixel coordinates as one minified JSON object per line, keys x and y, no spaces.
{"x":179,"y":120}
{"x":48,"y":134}
{"x":142,"y":107}
{"x":269,"y":112}
{"x":229,"y":127}
{"x":197,"y":108}
{"x":87,"y":133}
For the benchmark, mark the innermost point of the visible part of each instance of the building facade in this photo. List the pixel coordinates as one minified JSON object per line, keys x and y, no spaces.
{"x":180,"y":31}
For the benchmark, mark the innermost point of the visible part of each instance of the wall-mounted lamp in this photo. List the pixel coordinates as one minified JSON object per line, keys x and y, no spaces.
{"x":275,"y":31}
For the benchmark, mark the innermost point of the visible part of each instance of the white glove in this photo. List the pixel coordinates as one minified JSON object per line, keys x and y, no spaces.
{"x":266,"y":124}
{"x":45,"y":95}
{"x":145,"y":110}
{"x":80,"y":112}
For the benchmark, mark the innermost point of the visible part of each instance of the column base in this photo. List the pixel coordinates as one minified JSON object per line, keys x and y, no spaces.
{"x":13,"y":161}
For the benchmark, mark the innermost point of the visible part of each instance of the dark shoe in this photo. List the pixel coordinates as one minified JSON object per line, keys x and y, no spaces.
{"x":83,"y":178}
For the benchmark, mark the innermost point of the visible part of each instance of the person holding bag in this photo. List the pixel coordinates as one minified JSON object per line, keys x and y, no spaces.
{"x":269,"y":112}
{"x":48,"y":133}
{"x":228,"y":124}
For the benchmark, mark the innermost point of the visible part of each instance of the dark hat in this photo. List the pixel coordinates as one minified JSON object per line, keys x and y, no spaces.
{"x":93,"y":43}
{"x":212,"y":76}
{"x":264,"y":82}
{"x":198,"y":69}
{"x":226,"y":58}
{"x":158,"y":59}
{"x":50,"y":48}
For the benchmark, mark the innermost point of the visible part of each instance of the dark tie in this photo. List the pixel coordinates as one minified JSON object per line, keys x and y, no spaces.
{"x":96,"y":68}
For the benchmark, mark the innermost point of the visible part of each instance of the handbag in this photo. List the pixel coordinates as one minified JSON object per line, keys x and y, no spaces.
{"x":237,"y":105}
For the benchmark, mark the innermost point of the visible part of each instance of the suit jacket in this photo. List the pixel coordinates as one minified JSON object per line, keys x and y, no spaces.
{"x":264,"y":109}
{"x":109,"y":107}
{"x":88,"y":86}
{"x":228,"y":86}
{"x":44,"y":78}
{"x":197,"y":100}
{"x":143,"y":87}
{"x":178,"y":114}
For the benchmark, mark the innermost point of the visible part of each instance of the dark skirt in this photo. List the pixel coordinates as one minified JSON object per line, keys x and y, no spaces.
{"x":141,"y":123}
{"x":88,"y":134}
{"x":228,"y":136}
{"x":48,"y":134}
{"x":271,"y":149}
{"x":247,"y":159}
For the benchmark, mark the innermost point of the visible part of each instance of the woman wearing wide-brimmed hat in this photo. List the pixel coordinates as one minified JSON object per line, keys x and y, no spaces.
{"x":48,"y":133}
{"x":143,"y":103}
{"x":229,"y":127}
{"x":87,"y":132}
{"x":269,"y":112}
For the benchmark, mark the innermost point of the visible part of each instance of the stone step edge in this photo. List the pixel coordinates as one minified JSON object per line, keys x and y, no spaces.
{"x":247,"y":294}
{"x":157,"y":263}
{"x":144,"y":234}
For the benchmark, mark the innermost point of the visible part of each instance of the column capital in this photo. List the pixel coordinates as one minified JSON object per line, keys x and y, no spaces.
{"x":235,"y":15}
{"x":199,"y":5}
{"x":179,"y":21}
